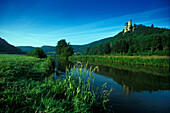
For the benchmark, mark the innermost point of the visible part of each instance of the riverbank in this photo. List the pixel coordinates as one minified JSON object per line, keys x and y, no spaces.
{"x":162,"y":61}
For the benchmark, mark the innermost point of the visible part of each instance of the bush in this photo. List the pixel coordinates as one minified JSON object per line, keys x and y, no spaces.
{"x":38,"y":53}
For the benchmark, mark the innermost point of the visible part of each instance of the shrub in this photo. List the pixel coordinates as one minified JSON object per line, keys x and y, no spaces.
{"x":37,"y":52}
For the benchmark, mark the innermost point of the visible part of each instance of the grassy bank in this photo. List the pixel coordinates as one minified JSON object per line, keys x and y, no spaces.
{"x":27,"y":87}
{"x":137,"y":60}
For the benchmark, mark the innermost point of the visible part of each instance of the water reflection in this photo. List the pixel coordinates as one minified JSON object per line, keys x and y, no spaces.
{"x":136,"y":81}
{"x":137,"y":89}
{"x":130,"y":80}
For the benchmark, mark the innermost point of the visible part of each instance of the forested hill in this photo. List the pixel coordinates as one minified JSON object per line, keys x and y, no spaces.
{"x":6,"y":48}
{"x":142,"y":41}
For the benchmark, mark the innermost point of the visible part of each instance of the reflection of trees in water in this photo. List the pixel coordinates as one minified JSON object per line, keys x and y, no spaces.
{"x":62,"y":64}
{"x":136,"y":81}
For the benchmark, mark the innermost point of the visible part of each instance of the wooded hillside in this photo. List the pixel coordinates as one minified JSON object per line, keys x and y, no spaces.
{"x":143,"y":41}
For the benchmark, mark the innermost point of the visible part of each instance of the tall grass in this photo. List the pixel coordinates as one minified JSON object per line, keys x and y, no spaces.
{"x":138,"y":60}
{"x":31,"y":94}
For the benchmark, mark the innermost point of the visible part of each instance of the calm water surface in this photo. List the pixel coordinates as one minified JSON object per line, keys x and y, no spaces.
{"x":134,"y":91}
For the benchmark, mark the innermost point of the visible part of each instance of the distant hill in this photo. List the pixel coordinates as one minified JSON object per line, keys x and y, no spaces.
{"x":26,"y":48}
{"x":6,"y":48}
{"x":49,"y":50}
{"x":77,"y":48}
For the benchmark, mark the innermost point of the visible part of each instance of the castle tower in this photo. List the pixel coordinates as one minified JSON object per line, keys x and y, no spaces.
{"x":129,"y":25}
{"x":126,"y":28}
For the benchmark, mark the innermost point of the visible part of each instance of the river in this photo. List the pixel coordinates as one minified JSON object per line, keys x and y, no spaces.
{"x":137,"y":90}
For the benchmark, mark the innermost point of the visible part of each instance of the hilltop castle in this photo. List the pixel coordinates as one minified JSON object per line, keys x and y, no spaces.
{"x":129,"y":27}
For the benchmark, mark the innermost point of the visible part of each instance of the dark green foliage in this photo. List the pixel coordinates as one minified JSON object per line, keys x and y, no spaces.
{"x":106,"y":49}
{"x":60,"y":46}
{"x":63,"y":49}
{"x":37,"y":52}
{"x":67,"y":51}
{"x":144,"y":39}
{"x":5,"y":47}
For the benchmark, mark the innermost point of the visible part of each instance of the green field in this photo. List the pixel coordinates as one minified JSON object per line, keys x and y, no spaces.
{"x":162,"y":61}
{"x":28,"y":86}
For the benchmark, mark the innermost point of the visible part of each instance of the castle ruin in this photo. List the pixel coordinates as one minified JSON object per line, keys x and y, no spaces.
{"x":129,"y":27}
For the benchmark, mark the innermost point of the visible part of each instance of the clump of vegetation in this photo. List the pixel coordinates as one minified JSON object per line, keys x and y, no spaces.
{"x":63,"y":49}
{"x":38,"y":53}
{"x":23,"y":89}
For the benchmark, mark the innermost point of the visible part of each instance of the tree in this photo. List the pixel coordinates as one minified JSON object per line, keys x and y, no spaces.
{"x":106,"y":49}
{"x":152,"y":26}
{"x":64,"y":49}
{"x":67,"y":51}
{"x":37,"y":52}
{"x":61,"y":44}
{"x":87,"y":51}
{"x":156,"y":43}
{"x":115,"y":47}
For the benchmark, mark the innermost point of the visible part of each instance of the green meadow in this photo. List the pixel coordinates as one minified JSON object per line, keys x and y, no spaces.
{"x":27,"y":85}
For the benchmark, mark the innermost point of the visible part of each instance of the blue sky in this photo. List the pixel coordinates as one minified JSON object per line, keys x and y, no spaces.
{"x":45,"y":22}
